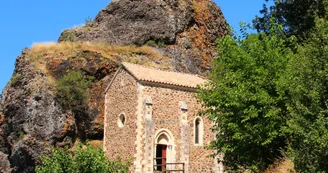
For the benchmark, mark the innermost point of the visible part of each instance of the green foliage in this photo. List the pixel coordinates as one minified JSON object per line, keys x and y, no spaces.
{"x":68,"y":36}
{"x":266,"y":99}
{"x":71,"y":89}
{"x":244,"y":101}
{"x":307,"y":106}
{"x":15,"y":79}
{"x":86,"y":159}
{"x":155,"y":44}
{"x":296,"y":16}
{"x":88,"y":21}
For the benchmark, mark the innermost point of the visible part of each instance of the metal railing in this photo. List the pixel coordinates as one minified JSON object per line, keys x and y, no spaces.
{"x":182,"y":165}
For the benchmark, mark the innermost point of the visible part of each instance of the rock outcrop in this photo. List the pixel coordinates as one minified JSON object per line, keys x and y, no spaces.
{"x":186,"y":29}
{"x":180,"y":35}
{"x":32,"y":119}
{"x":4,"y":163}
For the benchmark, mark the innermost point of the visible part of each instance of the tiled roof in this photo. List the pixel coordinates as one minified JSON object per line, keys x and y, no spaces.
{"x":147,"y":74}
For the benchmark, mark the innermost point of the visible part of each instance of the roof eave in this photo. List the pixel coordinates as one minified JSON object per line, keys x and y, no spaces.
{"x":166,"y":85}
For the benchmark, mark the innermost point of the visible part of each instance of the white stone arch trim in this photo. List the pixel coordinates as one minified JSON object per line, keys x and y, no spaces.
{"x":171,"y":151}
{"x":200,"y":132}
{"x":167,"y":132}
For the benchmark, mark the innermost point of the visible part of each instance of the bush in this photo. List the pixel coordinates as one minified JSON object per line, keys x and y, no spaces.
{"x":67,"y":36}
{"x":86,"y":159}
{"x":71,"y":89}
{"x":14,"y":80}
{"x":88,"y":21}
{"x":153,"y":43}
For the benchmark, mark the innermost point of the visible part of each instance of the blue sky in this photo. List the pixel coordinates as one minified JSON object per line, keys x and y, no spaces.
{"x":26,"y":22}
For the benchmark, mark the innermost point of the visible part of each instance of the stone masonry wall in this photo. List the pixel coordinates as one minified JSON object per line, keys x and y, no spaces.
{"x":149,"y":110}
{"x":121,"y":98}
{"x":166,"y":103}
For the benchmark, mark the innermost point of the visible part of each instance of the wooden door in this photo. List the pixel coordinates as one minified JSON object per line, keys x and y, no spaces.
{"x":164,"y":147}
{"x":161,"y":157}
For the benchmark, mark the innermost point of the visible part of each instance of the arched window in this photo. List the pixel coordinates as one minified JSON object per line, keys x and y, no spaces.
{"x":198,"y":131}
{"x":121,"y":120}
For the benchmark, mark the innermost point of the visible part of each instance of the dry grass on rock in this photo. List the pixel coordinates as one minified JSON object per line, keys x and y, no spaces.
{"x":41,"y":53}
{"x":67,"y":49}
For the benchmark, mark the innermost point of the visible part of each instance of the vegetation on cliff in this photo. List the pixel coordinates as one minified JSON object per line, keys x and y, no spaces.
{"x":42,"y":105}
{"x":71,"y":90}
{"x":40,"y":53}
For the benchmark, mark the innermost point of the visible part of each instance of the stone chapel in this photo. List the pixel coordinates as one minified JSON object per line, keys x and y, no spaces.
{"x":151,"y":118}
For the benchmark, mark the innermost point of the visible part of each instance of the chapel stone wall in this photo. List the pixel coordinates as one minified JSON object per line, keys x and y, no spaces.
{"x":149,"y":110}
{"x":167,"y":114}
{"x":121,"y":99}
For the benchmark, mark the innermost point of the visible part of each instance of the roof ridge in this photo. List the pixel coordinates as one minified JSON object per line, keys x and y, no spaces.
{"x":153,"y":68}
{"x":151,"y":74}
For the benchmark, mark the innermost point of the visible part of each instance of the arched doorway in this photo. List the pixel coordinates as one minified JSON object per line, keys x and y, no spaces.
{"x":161,"y":152}
{"x":164,"y":150}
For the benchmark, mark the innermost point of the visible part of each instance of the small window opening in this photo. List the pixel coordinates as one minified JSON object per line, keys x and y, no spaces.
{"x":121,"y":121}
{"x":197,"y":123}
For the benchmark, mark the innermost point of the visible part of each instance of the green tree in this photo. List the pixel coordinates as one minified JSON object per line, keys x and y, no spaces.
{"x":243,"y":98}
{"x":265,"y":98}
{"x":307,"y":106}
{"x":86,"y":159}
{"x":296,"y":16}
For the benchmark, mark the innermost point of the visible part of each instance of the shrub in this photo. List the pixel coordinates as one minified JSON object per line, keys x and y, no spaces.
{"x":14,"y":80}
{"x":67,"y":36}
{"x":86,"y":159}
{"x":71,"y":89}
{"x":153,"y":43}
{"x":88,"y":21}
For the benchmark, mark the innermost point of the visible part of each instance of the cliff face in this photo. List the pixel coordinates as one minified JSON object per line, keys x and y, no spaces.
{"x":188,"y":28}
{"x":33,"y":119}
{"x":180,"y":35}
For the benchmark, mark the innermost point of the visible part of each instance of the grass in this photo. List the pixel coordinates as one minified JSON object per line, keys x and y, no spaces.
{"x":40,"y":53}
{"x":68,"y":49}
{"x":143,"y":55}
